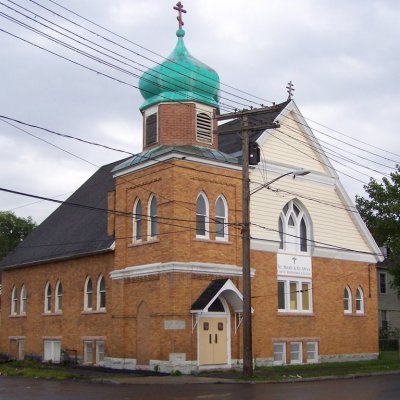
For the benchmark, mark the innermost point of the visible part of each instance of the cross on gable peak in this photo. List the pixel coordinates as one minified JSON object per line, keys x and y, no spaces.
{"x":290,"y":89}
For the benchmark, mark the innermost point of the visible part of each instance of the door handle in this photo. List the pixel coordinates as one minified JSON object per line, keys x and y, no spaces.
{"x":210,"y":339}
{"x":216,"y":338}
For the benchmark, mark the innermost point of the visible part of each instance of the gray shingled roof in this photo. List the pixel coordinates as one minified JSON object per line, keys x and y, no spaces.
{"x":70,"y":231}
{"x":75,"y":231}
{"x":208,"y":294}
{"x":230,"y":142}
{"x":186,"y":150}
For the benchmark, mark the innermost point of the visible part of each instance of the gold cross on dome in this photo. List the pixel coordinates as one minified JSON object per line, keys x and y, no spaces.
{"x":179,"y":8}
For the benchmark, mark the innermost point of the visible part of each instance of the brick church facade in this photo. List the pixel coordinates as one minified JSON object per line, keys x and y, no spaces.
{"x":141,"y":266}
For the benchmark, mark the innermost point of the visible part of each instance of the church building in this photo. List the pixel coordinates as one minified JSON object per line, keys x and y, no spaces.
{"x":141,"y":268}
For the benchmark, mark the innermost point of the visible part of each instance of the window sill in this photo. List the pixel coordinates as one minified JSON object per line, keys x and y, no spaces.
{"x":17,"y":316}
{"x":354,"y":315}
{"x":208,"y":240}
{"x":90,"y":312}
{"x":143,"y":243}
{"x":295,"y":314}
{"x":51,"y":314}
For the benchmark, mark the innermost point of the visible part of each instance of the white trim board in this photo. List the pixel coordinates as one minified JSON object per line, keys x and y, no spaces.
{"x":175,"y":266}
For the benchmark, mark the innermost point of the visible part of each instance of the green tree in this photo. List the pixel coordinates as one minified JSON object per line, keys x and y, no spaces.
{"x":381,"y":213}
{"x":13,"y":231}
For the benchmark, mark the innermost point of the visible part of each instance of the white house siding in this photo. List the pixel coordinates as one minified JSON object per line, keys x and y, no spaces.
{"x":287,"y":145}
{"x":332,"y":223}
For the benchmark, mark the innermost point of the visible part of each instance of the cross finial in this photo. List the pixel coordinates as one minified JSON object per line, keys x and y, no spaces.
{"x":179,"y":8}
{"x":290,"y":90}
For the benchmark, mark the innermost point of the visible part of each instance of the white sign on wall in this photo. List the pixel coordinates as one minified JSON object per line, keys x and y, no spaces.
{"x":174,"y":324}
{"x":294,"y":265}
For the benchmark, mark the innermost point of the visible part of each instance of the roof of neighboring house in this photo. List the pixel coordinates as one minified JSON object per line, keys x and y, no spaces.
{"x":70,"y":230}
{"x":229,"y":134}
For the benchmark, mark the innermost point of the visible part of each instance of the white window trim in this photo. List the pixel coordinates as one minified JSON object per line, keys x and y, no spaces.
{"x":47,"y":299}
{"x":361,"y":310}
{"x":300,"y":361}
{"x":85,"y":294}
{"x":14,"y":301}
{"x":55,"y":350}
{"x":86,"y":344}
{"x":314,"y":360}
{"x":283,"y":362}
{"x":57,"y":297}
{"x":98,"y":362}
{"x":149,"y":232}
{"x":98,"y":293}
{"x":23,"y":300}
{"x":285,"y":221}
{"x":135,"y":221}
{"x":350,"y":301}
{"x":207,"y":217}
{"x":225,"y":217}
{"x":299,"y":282}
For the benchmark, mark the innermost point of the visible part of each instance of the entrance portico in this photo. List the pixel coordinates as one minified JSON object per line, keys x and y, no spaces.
{"x":212,"y":316}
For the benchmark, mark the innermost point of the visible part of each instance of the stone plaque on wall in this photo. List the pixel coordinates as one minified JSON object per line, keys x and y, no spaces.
{"x":174,"y":324}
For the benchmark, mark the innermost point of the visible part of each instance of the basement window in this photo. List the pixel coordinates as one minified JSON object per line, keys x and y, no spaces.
{"x":204,"y":128}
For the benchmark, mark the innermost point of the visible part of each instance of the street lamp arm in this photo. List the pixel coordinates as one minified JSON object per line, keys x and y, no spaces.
{"x":300,"y":172}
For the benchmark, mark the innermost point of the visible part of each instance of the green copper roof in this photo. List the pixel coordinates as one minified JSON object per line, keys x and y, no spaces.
{"x":181,"y":77}
{"x":185,"y":151}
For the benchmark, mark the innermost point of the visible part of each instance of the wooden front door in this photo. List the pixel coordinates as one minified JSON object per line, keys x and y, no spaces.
{"x":213,"y":341}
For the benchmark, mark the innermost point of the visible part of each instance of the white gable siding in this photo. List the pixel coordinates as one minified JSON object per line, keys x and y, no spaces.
{"x":289,"y":145}
{"x":331,"y":224}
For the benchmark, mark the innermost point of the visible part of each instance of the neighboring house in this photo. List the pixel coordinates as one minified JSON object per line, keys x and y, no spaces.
{"x":388,"y":299}
{"x":147,"y":273}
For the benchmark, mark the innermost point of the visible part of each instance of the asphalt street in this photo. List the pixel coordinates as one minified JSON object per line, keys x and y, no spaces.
{"x":385,"y":387}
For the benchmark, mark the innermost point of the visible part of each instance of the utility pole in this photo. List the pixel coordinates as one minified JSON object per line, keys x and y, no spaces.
{"x":247,"y":325}
{"x":246,"y":269}
{"x":246,"y":276}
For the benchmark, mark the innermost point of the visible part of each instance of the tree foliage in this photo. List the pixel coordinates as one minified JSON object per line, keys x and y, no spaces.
{"x":13,"y":231}
{"x":381,"y":213}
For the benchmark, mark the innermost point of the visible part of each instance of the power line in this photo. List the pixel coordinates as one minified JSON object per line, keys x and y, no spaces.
{"x":136,"y":44}
{"x":124,"y":39}
{"x":130,"y":215}
{"x":167,"y":82}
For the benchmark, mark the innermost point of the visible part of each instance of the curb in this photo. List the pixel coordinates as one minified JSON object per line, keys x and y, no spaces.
{"x":185,"y":380}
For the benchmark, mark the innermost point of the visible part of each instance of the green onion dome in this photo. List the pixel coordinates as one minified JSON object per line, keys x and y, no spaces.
{"x":180,"y":78}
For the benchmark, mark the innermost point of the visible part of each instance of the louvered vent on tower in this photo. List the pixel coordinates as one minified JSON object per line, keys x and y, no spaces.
{"x":204,"y":128}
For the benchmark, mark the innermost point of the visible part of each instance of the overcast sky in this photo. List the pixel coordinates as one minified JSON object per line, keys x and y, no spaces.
{"x":343,"y":57}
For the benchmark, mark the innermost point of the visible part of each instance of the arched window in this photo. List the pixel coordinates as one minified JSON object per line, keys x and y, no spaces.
{"x":14,"y":301}
{"x":88,"y":303}
{"x":137,"y":221}
{"x":221,"y":219}
{"x":23,"y":300}
{"x":101,"y":293}
{"x":152,"y":227}
{"x":47,"y":298}
{"x":347,"y":301}
{"x":359,"y":301}
{"x":294,"y":230}
{"x":202,"y":216}
{"x":59,"y":294}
